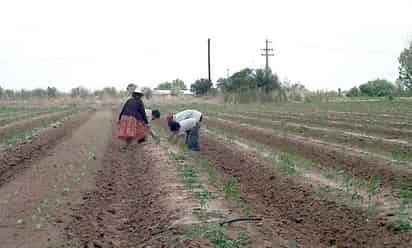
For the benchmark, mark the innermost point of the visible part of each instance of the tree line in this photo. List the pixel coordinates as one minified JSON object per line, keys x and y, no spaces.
{"x":50,"y":92}
{"x":382,"y":87}
{"x":200,"y":87}
{"x":53,"y":92}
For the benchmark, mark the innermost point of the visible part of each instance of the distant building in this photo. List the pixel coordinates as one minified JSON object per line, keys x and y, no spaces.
{"x":162,"y":92}
{"x":169,"y":93}
{"x":187,"y":93}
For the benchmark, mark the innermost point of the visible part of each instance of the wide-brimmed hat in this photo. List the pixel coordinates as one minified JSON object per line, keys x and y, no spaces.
{"x":138,"y":91}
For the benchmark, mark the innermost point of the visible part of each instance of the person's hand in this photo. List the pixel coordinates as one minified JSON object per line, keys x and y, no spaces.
{"x":157,"y":139}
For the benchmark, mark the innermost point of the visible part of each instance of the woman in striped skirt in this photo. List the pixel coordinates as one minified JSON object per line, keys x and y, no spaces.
{"x":133,"y":123}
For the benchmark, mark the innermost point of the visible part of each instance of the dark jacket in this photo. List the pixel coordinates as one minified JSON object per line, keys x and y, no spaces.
{"x":134,"y":107}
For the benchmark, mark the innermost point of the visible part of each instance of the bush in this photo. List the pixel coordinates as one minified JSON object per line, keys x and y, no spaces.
{"x":201,"y":87}
{"x":377,"y":88}
{"x":353,"y":92}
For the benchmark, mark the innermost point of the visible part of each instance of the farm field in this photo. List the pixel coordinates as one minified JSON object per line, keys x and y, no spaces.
{"x":287,"y":175}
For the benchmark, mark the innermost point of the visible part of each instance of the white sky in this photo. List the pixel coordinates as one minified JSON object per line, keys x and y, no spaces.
{"x":324,"y":44}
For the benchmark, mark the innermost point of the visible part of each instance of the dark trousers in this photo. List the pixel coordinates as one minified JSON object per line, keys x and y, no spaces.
{"x":192,"y":138}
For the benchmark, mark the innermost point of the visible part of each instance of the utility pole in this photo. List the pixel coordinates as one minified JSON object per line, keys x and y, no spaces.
{"x":208,"y":59}
{"x":227,"y":73}
{"x":267,"y":54}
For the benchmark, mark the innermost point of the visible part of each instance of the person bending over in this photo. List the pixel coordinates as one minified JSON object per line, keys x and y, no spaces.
{"x":186,"y":122}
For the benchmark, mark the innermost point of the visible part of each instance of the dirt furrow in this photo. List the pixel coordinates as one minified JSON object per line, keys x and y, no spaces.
{"x":16,"y":159}
{"x":351,"y":138}
{"x":291,"y":209}
{"x":326,"y":155}
{"x":31,"y":122}
{"x":394,"y":117}
{"x":137,"y":199}
{"x":28,"y":114}
{"x":348,"y":124}
{"x":35,"y":203}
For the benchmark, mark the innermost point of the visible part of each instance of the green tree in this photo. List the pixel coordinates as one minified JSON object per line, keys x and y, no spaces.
{"x":223,"y":84}
{"x":177,"y":83}
{"x":1,"y":92}
{"x":164,"y":86}
{"x":250,"y":79}
{"x":378,"y":87}
{"x":201,"y":86}
{"x":400,"y":88}
{"x":266,"y":80}
{"x":244,"y":79}
{"x":405,"y":67}
{"x":353,"y":92}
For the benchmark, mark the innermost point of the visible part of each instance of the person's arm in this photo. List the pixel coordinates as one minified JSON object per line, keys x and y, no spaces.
{"x":144,"y":114}
{"x":154,"y":136}
{"x":172,"y":136}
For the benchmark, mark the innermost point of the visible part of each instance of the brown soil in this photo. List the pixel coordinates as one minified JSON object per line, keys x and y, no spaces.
{"x":137,"y":202}
{"x":381,"y":129}
{"x":384,"y":203}
{"x":36,"y":201}
{"x":326,"y":155}
{"x":292,"y":211}
{"x":87,"y":192}
{"x":21,"y":156}
{"x":358,"y":140}
{"x":260,"y":235}
{"x":393,"y":118}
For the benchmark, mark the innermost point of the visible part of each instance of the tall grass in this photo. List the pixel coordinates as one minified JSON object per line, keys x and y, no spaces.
{"x":253,"y":96}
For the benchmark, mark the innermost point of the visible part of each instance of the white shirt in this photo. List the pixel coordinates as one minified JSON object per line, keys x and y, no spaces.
{"x":187,"y":114}
{"x":187,"y":124}
{"x":149,"y":115}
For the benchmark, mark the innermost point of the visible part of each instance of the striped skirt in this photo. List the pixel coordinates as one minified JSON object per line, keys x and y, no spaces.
{"x":131,"y":128}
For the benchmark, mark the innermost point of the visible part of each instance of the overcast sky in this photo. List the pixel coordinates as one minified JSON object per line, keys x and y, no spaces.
{"x":324,"y":44}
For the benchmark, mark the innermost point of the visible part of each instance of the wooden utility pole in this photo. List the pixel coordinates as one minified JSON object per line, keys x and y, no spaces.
{"x":267,"y":54}
{"x":208,"y":59}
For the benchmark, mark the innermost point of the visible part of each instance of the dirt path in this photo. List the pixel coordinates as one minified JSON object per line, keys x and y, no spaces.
{"x":34,"y":205}
{"x":24,"y":154}
{"x":136,"y":200}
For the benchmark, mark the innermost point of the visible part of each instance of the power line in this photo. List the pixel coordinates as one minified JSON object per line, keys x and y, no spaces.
{"x":267,"y":54}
